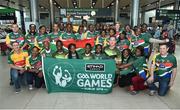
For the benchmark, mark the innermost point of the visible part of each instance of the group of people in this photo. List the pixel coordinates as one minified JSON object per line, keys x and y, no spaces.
{"x":138,"y":64}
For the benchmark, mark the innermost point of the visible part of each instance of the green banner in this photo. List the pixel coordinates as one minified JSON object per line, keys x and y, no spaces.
{"x":75,"y":75}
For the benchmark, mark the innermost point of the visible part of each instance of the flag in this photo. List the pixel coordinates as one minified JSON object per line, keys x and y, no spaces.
{"x":76,"y":75}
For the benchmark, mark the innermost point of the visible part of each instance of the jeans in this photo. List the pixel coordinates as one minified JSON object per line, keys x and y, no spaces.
{"x":32,"y":76}
{"x":163,"y":85}
{"x":17,"y":78}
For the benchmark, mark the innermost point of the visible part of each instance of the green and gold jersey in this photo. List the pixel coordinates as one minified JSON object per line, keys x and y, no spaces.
{"x":40,"y":39}
{"x":123,"y":44}
{"x":87,"y":56}
{"x":165,"y":65}
{"x":15,"y":37}
{"x":30,"y":37}
{"x":34,"y":62}
{"x":60,"y":55}
{"x":113,"y":53}
{"x":68,"y":36}
{"x":102,"y":40}
{"x":80,"y":36}
{"x":138,"y":63}
{"x":128,"y":70}
{"x":100,"y":56}
{"x":55,"y":37}
{"x":91,"y":34}
{"x":47,"y":53}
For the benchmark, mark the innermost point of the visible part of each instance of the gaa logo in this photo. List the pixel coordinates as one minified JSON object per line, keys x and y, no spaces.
{"x":96,"y":67}
{"x":62,"y":74}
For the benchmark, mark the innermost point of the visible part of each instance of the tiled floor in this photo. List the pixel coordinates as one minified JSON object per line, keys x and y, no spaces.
{"x":118,"y":99}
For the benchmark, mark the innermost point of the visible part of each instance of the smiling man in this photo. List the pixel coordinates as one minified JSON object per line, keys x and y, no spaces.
{"x":166,"y":65}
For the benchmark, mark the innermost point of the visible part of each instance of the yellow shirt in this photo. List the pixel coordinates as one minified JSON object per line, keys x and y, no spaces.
{"x":18,"y":59}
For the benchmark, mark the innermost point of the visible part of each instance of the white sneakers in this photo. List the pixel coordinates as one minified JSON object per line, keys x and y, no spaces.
{"x":30,"y":87}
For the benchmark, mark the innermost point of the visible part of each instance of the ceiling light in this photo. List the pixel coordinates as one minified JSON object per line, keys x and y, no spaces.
{"x":54,"y":3}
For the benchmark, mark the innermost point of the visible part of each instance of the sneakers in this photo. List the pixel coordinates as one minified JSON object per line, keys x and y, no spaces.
{"x":30,"y":87}
{"x":17,"y":91}
{"x":152,"y":92}
{"x":134,"y":92}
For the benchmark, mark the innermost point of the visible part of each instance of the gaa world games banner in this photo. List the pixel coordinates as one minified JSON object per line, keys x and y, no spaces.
{"x":75,"y":75}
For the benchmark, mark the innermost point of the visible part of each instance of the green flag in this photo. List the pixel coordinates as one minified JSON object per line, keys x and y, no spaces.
{"x":75,"y":75}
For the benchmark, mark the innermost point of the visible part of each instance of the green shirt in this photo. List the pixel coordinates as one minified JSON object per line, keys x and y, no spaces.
{"x":48,"y":53}
{"x":128,"y":70}
{"x":99,"y":56}
{"x":138,"y":63}
{"x":123,"y":44}
{"x":165,"y":64}
{"x":60,"y":55}
{"x":87,"y":57}
{"x":68,"y":36}
{"x":80,"y":36}
{"x":54,"y":37}
{"x":30,"y":37}
{"x":35,"y":62}
{"x":15,"y":37}
{"x":112,"y":53}
{"x":40,"y":39}
{"x":90,"y":34}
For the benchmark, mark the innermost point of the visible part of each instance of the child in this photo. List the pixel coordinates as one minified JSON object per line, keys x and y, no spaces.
{"x":138,"y":80}
{"x":60,"y":52}
{"x":99,"y":55}
{"x":126,"y":74}
{"x":87,"y":54}
{"x":72,"y":54}
{"x":34,"y":67}
{"x":46,"y":51}
{"x":123,"y":43}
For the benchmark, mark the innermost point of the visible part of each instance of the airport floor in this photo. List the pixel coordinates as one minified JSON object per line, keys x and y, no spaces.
{"x":118,"y":99}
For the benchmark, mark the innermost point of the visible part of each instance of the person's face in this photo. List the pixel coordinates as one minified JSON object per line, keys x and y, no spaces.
{"x":59,"y":45}
{"x":35,"y":52}
{"x":55,"y":27}
{"x":125,"y":53}
{"x":61,"y":27}
{"x":122,"y":36}
{"x":97,"y":26}
{"x":16,"y":46}
{"x":103,"y":33}
{"x":46,"y":45}
{"x":72,"y":49}
{"x":138,"y":32}
{"x":91,"y":28}
{"x":32,"y":29}
{"x":144,"y":28}
{"x":69,"y":28}
{"x":81,"y":29}
{"x":138,"y":52}
{"x":128,"y":28}
{"x":15,"y":28}
{"x":112,"y":41}
{"x":88,"y":49}
{"x":117,"y":26}
{"x":42,"y":30}
{"x":98,"y":49}
{"x":163,"y":49}
{"x":111,"y":33}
